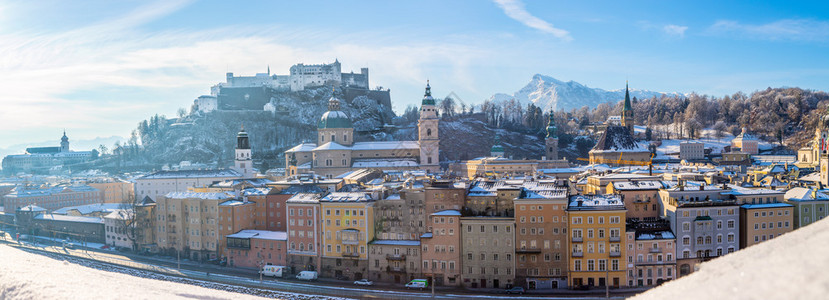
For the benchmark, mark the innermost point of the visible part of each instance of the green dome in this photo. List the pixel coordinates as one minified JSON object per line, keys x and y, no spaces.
{"x":334,"y":119}
{"x":427,"y":97}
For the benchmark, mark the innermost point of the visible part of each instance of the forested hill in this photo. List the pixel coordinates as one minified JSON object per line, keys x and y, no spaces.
{"x":210,"y":138}
{"x":774,"y":114}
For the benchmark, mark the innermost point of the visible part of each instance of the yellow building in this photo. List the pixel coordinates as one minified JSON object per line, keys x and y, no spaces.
{"x":348,"y":227}
{"x":597,"y":239}
{"x":503,"y":167}
{"x":762,"y":222}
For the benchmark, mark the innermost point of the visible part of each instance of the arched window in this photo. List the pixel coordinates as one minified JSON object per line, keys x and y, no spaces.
{"x":429,"y":159}
{"x":333,"y":138}
{"x":429,"y":132}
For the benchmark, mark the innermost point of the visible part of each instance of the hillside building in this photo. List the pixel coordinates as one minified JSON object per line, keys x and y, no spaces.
{"x":746,"y":142}
{"x":336,"y":152}
{"x":46,"y":159}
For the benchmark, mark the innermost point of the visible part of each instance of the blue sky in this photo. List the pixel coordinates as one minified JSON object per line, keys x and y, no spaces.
{"x":97,"y":68}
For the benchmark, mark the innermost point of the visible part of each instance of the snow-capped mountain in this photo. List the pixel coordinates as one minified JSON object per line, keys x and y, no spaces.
{"x":550,"y":93}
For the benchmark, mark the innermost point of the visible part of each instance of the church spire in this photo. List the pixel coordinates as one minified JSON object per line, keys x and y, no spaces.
{"x":628,"y":106}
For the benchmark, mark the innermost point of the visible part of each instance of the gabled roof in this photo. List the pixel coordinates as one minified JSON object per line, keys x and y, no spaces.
{"x":331,"y":146}
{"x":617,"y":139}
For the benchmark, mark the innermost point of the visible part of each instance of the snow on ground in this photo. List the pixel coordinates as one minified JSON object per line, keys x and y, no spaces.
{"x":792,"y":266}
{"x":26,"y":275}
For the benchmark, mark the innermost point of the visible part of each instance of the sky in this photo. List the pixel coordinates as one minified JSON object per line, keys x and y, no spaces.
{"x":97,"y":68}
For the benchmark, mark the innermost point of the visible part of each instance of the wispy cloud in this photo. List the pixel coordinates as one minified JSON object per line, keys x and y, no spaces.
{"x":515,"y":10}
{"x":111,"y":74}
{"x":675,"y":30}
{"x":668,"y":30}
{"x":782,"y":30}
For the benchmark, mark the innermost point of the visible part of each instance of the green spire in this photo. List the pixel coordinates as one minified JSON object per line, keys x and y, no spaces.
{"x":551,"y":126}
{"x":627,"y":98}
{"x":496,"y":147}
{"x":427,"y":97}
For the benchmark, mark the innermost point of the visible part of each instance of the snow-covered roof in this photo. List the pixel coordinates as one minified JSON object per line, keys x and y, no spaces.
{"x":91,"y":208}
{"x":304,"y":147}
{"x":596,"y":202}
{"x":384,"y":163}
{"x":448,"y":212}
{"x":232,"y":203}
{"x":256,"y":191}
{"x":23,"y":193}
{"x":393,"y":197}
{"x":617,"y":139}
{"x":637,"y":185}
{"x":309,"y":198}
{"x":386,"y":145}
{"x":765,"y":205}
{"x":32,"y":208}
{"x":63,"y":218}
{"x":260,"y":234}
{"x":331,"y":146}
{"x":191,"y":174}
{"x":205,"y":196}
{"x":805,"y":194}
{"x":119,"y":215}
{"x":658,"y":235}
{"x":396,"y":242}
{"x":740,"y":191}
{"x":346,"y":197}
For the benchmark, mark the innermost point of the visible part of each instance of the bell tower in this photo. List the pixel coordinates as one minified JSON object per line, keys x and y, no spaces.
{"x":243,"y":162}
{"x":551,"y":141}
{"x":64,"y":143}
{"x":427,"y":132}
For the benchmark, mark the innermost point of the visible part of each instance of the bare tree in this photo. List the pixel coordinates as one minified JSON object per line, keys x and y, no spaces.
{"x":126,"y":221}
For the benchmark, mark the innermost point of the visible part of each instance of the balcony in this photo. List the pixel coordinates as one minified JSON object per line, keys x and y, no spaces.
{"x":615,"y":239}
{"x":577,"y":254}
{"x":525,"y":250}
{"x":655,"y":250}
{"x":350,"y":242}
{"x":615,"y":254}
{"x":396,"y":256}
{"x":351,"y":254}
{"x":577,"y":239}
{"x":396,"y":269}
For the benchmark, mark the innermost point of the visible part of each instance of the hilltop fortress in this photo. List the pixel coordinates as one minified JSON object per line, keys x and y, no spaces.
{"x":254,"y":92}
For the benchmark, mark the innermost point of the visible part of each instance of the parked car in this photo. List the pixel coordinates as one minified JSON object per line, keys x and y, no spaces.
{"x":417,"y":284}
{"x":582,"y":287}
{"x":515,"y":290}
{"x":364,"y":282}
{"x":307,"y":275}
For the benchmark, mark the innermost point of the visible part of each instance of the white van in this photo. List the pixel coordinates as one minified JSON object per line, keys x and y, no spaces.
{"x":417,"y":284}
{"x":307,"y":275}
{"x":273,"y":271}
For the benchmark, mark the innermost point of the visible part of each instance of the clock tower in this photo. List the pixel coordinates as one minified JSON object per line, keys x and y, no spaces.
{"x":427,"y":132}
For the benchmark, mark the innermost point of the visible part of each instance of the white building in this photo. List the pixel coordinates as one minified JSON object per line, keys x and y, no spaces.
{"x":115,"y":228}
{"x":691,"y":150}
{"x":301,"y":76}
{"x":206,"y":103}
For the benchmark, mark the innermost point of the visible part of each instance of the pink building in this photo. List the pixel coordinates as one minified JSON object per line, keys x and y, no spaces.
{"x":252,"y":249}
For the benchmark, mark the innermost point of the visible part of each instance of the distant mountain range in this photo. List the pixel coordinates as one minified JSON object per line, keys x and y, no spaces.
{"x":550,"y":93}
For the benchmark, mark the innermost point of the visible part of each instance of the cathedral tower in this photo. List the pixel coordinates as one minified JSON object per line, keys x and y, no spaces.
{"x":627,"y":112}
{"x":243,"y":163}
{"x":551,"y":141}
{"x":427,"y":132}
{"x":64,"y":143}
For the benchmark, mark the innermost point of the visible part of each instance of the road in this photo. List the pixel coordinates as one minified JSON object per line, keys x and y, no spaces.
{"x":230,"y":276}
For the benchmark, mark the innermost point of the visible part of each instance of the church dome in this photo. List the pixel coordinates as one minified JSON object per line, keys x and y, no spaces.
{"x":334,"y":117}
{"x":427,"y":97}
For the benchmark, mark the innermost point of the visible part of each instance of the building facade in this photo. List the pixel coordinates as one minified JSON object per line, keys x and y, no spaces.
{"x":488,"y":245}
{"x":597,"y":240}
